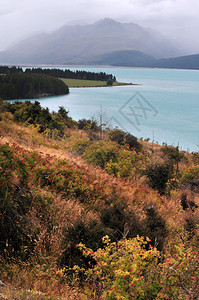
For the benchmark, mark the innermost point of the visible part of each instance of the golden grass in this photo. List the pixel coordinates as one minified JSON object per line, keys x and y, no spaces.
{"x":66,"y":211}
{"x":36,"y":283}
{"x":134,"y":191}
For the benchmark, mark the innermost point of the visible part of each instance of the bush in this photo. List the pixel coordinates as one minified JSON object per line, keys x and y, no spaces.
{"x":130,"y":163}
{"x":195,"y":157}
{"x":78,"y":144}
{"x":121,"y":221}
{"x":122,"y":138}
{"x":88,"y":125}
{"x":158,"y":176}
{"x":109,"y":82}
{"x":190,"y":179}
{"x":101,"y":152}
{"x":127,"y":270}
{"x":155,"y":227}
{"x":90,"y":233}
{"x":114,"y":217}
{"x":173,"y":154}
{"x":15,"y":201}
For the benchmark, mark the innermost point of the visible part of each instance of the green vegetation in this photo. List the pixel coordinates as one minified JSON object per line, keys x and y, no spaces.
{"x":127,"y":270}
{"x":32,"y":113}
{"x":158,"y":175}
{"x":89,"y":83}
{"x":123,"y":138}
{"x":78,"y":74}
{"x":31,"y":88}
{"x":84,"y":218}
{"x":27,"y":86}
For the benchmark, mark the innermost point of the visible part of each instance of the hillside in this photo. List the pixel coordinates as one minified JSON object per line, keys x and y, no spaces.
{"x":132,"y":58}
{"x":125,"y":58}
{"x":181,"y":62}
{"x":62,"y":188}
{"x":80,"y":44}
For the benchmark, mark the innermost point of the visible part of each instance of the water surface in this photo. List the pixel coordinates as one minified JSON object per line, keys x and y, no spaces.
{"x":164,"y":105}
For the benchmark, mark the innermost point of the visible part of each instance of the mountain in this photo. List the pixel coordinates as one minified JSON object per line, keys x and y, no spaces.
{"x":181,"y":62}
{"x":132,"y":58}
{"x":125,"y":58}
{"x":81,"y":44}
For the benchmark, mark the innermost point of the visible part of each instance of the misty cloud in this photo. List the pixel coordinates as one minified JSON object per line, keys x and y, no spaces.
{"x":176,"y":19}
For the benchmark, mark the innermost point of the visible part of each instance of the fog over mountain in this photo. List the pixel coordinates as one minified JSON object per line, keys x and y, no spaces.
{"x":78,"y":44}
{"x":177,"y":20}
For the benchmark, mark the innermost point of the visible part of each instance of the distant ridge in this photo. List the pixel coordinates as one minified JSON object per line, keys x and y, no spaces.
{"x":126,"y":58}
{"x":80,"y":44}
{"x":132,"y":58}
{"x":181,"y":62}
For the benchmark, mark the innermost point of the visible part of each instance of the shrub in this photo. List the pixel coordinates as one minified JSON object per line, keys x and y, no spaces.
{"x":88,"y":124}
{"x":127,"y":270}
{"x":127,"y":164}
{"x":109,"y":82}
{"x":63,"y":178}
{"x":190,"y":175}
{"x":101,"y":152}
{"x":122,"y":138}
{"x":114,"y":217}
{"x":15,"y":201}
{"x":90,"y":233}
{"x":190,"y":179}
{"x":115,"y":159}
{"x":158,"y":176}
{"x":195,"y":157}
{"x":78,"y":144}
{"x":187,"y":203}
{"x":155,"y":227}
{"x":173,"y":154}
{"x":114,"y":221}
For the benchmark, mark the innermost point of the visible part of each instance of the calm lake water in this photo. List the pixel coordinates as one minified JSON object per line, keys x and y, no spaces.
{"x":163,"y":106}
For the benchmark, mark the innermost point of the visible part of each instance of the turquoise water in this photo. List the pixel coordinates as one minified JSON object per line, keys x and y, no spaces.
{"x":164,"y":106}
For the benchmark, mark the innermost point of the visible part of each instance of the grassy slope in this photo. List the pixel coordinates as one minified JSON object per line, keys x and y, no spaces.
{"x":65,"y":210}
{"x":88,"y":83}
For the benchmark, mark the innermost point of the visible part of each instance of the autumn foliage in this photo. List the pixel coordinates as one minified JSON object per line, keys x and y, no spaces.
{"x":94,"y":219}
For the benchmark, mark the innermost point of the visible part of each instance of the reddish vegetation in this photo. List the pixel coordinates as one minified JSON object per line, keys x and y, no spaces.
{"x":57,"y":200}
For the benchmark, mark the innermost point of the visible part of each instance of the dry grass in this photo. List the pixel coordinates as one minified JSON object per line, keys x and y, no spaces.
{"x":136,"y":192}
{"x":38,"y":283}
{"x":42,"y":277}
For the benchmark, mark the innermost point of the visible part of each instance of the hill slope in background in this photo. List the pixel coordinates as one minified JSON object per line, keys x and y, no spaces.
{"x":128,"y":58}
{"x":181,"y":62}
{"x":132,"y":58}
{"x":77,"y":44}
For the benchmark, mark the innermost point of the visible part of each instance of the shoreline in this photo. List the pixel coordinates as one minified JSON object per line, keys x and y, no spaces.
{"x":90,"y":66}
{"x":100,"y":86}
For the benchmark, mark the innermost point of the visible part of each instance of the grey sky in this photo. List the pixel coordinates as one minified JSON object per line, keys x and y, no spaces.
{"x":176,"y":19}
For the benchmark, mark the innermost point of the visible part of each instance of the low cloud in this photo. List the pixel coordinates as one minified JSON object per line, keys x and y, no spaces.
{"x":176,"y":19}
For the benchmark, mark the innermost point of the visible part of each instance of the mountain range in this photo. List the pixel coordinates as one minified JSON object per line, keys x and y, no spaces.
{"x":106,"y":42}
{"x":133,"y":58}
{"x":85,"y":44}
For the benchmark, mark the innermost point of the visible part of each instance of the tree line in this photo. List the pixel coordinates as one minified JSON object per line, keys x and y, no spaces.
{"x":78,"y":74}
{"x":20,"y":85}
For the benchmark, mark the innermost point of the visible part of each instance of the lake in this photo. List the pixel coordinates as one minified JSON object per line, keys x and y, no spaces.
{"x":162,"y":106}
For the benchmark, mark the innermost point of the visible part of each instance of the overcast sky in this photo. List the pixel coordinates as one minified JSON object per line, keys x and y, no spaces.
{"x":176,"y":19}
